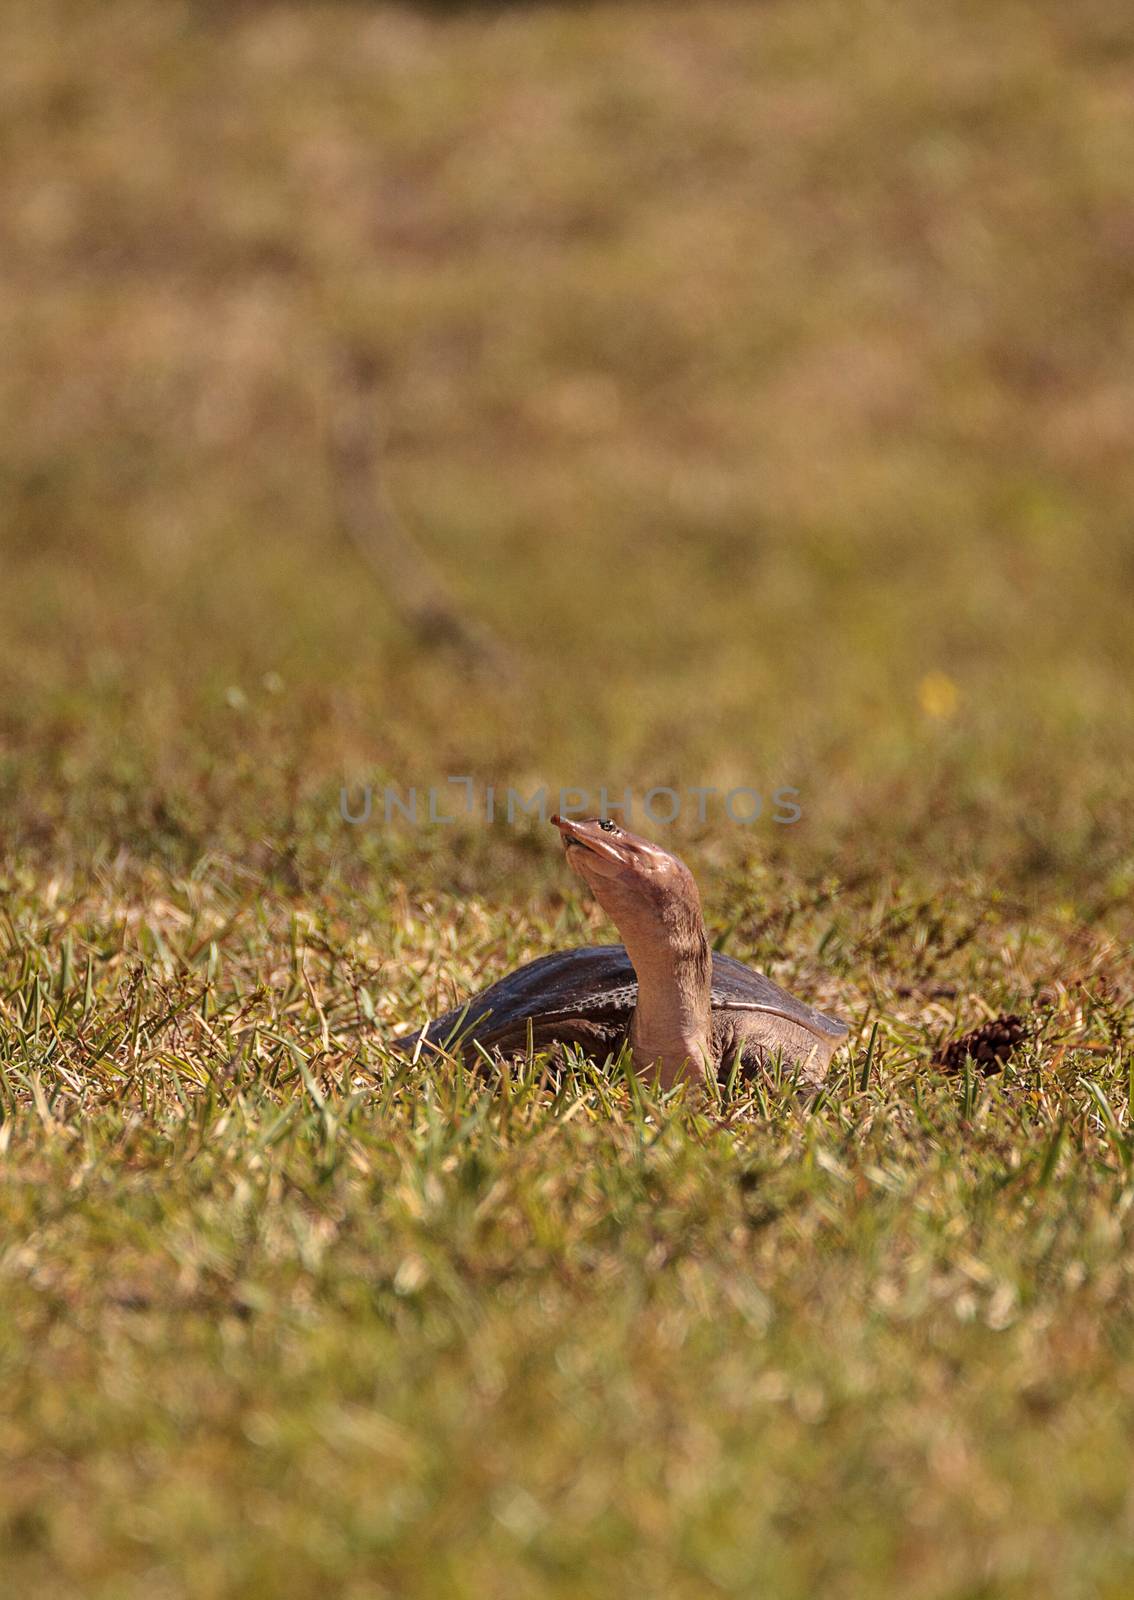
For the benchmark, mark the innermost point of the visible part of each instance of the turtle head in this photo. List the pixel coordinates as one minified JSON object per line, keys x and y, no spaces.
{"x":630,"y":877}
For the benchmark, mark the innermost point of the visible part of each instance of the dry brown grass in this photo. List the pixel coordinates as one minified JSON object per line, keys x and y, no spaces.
{"x":759,"y":375}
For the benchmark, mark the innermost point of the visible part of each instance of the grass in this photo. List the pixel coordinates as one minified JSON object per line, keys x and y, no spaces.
{"x":760,"y":377}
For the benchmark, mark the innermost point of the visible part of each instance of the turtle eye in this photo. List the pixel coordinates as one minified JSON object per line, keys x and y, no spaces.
{"x":607,"y":826}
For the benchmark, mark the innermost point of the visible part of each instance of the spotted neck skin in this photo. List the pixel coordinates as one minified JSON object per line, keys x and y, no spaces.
{"x":671,"y":1029}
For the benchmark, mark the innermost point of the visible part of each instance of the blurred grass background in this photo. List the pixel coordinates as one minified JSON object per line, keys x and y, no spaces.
{"x":759,"y":377}
{"x":740,"y":366}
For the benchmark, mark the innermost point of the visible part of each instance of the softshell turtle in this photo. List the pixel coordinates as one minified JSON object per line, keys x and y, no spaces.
{"x":684,"y":1010}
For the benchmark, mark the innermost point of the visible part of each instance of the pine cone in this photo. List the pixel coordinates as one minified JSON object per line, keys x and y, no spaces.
{"x":990,"y":1045}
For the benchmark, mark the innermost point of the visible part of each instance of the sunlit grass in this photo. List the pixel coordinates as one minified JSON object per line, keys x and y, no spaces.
{"x":282,"y":1311}
{"x":759,"y":376}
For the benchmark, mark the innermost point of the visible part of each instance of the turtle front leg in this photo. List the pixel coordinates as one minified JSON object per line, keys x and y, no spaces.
{"x":762,"y":1040}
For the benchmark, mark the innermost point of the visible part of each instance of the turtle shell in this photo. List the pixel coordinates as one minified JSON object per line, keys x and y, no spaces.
{"x":586,"y":997}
